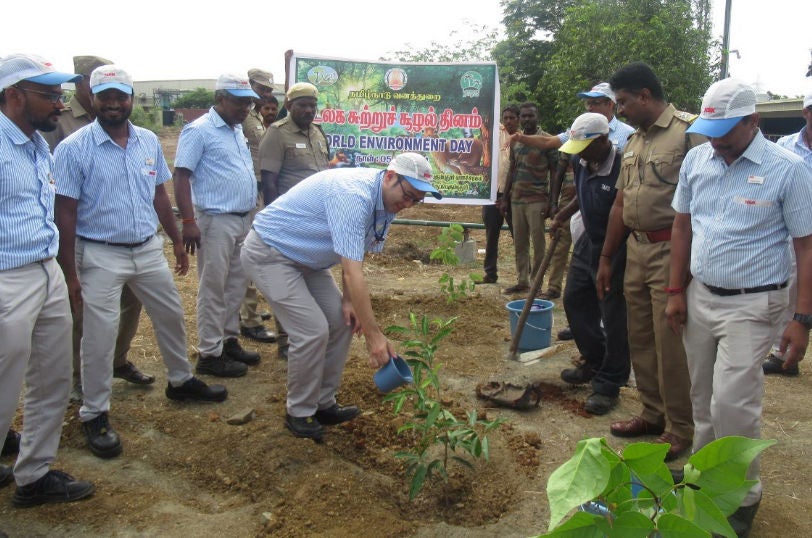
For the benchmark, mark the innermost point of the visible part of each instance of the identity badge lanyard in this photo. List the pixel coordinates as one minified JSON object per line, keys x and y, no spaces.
{"x":379,"y":232}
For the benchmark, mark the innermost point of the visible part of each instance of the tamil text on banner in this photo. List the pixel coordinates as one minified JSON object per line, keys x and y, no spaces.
{"x":371,"y":111}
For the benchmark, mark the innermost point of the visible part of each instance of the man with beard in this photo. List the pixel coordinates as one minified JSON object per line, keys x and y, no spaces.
{"x":109,"y":241}
{"x":213,"y":164}
{"x":77,"y":114}
{"x":292,"y":149}
{"x":35,"y":320}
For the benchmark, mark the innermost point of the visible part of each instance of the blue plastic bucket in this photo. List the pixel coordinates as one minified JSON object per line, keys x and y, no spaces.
{"x":393,"y":374}
{"x":538,"y":328}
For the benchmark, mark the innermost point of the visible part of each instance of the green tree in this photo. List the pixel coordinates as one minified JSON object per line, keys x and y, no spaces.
{"x":476,"y":46}
{"x":558,"y":47}
{"x":199,"y":98}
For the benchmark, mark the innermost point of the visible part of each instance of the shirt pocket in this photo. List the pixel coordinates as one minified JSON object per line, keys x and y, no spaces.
{"x":663,"y":167}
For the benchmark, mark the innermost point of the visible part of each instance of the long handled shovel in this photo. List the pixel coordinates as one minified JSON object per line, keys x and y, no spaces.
{"x":545,"y":263}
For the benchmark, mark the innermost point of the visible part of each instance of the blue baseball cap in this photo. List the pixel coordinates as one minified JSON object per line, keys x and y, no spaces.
{"x":724,"y":105}
{"x":18,"y":67}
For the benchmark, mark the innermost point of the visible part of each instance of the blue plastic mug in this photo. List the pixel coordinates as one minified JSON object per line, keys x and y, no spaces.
{"x":393,"y":374}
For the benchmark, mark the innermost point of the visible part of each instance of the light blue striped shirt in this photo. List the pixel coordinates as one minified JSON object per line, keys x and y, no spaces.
{"x":619,"y":133}
{"x":795,"y":143}
{"x":742,"y":214}
{"x":223,"y":178}
{"x":114,"y":186}
{"x":27,"y":230}
{"x":332,"y":214}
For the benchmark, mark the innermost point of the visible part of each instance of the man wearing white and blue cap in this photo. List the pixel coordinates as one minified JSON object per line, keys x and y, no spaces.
{"x":332,"y":217}
{"x":109,"y":241}
{"x":215,"y":190}
{"x":35,"y":319}
{"x":738,"y":200}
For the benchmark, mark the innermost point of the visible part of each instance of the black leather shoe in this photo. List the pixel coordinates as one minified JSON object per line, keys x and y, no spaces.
{"x":306,"y":427}
{"x":102,"y":439}
{"x":266,"y":316}
{"x":774,"y":365}
{"x":53,"y":487}
{"x":489,"y":279}
{"x":258,"y":333}
{"x":11,"y":446}
{"x":130,"y":373}
{"x":336,"y":414}
{"x":565,"y":334}
{"x":234,"y":351}
{"x":195,"y":389}
{"x":599,"y":404}
{"x":6,"y":475}
{"x":578,"y":375}
{"x":221,"y":366}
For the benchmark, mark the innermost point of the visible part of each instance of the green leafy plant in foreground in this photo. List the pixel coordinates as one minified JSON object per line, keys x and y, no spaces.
{"x":449,"y":238}
{"x":713,"y":488}
{"x":431,"y":422}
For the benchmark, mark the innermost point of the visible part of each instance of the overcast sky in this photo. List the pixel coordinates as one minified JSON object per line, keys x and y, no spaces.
{"x":165,"y":39}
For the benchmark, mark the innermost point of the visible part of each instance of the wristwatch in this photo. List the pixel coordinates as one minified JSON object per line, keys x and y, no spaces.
{"x":803,"y":319}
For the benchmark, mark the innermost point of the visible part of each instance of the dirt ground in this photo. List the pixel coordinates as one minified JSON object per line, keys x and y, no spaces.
{"x":186,"y":472}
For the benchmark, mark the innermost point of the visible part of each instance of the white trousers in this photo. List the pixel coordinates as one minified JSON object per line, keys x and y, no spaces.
{"x":35,"y":348}
{"x":307,"y":303}
{"x":726,"y":339}
{"x":103,"y":272}
{"x":222,"y":279}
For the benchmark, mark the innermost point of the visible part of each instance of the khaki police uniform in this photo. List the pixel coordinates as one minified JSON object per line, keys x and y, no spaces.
{"x":254,"y":129}
{"x":648,"y":178}
{"x":293,"y":153}
{"x":73,"y":118}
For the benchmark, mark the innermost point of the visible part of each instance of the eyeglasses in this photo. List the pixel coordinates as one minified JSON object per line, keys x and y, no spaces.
{"x":52,"y":97}
{"x":407,"y":196}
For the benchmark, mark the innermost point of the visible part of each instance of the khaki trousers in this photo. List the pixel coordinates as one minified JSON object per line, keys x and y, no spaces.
{"x":308,"y":304}
{"x":726,"y":339}
{"x":35,"y":348}
{"x":528,"y":227}
{"x":657,"y":354}
{"x":561,"y":254}
{"x":222,"y":279}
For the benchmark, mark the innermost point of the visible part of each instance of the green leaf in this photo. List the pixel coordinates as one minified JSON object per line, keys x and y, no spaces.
{"x":647,"y":462}
{"x":630,"y":525}
{"x":722,"y":466}
{"x":580,"y":525}
{"x":700,"y":509}
{"x":578,"y":480}
{"x":417,"y":481}
{"x":674,"y":526}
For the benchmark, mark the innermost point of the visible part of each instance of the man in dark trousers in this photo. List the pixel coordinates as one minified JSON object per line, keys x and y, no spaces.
{"x":596,"y":164}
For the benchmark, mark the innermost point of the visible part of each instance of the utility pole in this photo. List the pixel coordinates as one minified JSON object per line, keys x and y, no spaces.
{"x":726,"y":42}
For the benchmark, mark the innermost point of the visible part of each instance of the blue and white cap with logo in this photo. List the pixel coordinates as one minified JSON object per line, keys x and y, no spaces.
{"x":601,"y":89}
{"x":417,"y":171}
{"x":110,"y":77}
{"x":236,"y":85}
{"x":724,"y":105}
{"x":18,"y":67}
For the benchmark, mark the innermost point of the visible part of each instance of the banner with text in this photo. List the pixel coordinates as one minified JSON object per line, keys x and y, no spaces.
{"x":371,"y":111}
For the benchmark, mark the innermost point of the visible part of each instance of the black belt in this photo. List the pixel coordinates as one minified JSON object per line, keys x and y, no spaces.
{"x":724,"y":292}
{"x":110,"y":244}
{"x":238,"y":213}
